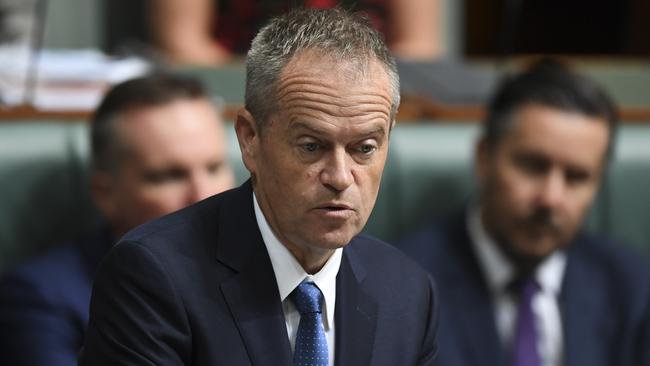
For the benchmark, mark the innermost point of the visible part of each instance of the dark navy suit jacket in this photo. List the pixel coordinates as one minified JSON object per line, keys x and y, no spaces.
{"x":197,"y":288}
{"x":605,"y":300}
{"x":44,"y":303}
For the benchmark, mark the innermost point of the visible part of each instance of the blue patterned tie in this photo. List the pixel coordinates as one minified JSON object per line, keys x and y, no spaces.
{"x":311,"y":344}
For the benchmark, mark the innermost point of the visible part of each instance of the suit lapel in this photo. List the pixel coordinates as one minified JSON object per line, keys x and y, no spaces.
{"x":255,"y":305}
{"x":472,"y":302}
{"x":252,"y":292}
{"x":584,"y":313}
{"x":355,"y":314}
{"x":477,"y":325}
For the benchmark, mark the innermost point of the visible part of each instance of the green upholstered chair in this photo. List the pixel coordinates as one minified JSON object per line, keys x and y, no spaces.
{"x":43,"y":195}
{"x":428,"y":175}
{"x":624,"y":205}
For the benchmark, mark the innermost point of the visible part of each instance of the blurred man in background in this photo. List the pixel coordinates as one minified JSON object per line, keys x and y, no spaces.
{"x":520,"y":283}
{"x":157,"y":146}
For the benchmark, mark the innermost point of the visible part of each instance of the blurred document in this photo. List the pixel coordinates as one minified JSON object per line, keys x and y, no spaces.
{"x":70,"y":80}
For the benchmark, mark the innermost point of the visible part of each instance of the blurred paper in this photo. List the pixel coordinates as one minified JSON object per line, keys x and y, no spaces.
{"x":71,"y":80}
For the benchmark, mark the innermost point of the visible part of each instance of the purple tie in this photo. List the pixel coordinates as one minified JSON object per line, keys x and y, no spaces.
{"x":524,"y":345}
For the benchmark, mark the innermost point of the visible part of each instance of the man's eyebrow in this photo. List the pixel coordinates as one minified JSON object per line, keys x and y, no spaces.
{"x":379,"y":130}
{"x":376,"y":130}
{"x":305,"y":126}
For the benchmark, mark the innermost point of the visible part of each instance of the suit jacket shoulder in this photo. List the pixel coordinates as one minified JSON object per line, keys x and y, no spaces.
{"x":384,"y":296}
{"x":467,"y":330}
{"x":606,"y":304}
{"x":44,"y":303}
{"x":170,"y":292}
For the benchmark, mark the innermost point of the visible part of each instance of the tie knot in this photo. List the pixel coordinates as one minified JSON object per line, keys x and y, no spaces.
{"x":307,"y":298}
{"x":524,"y":287}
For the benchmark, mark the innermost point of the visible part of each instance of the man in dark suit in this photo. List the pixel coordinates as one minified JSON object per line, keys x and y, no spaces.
{"x":227,"y":281}
{"x":520,"y":283}
{"x":158,"y":145}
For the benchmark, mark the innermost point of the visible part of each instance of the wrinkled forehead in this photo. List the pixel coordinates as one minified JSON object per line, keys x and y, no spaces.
{"x":329,"y":65}
{"x":335,"y":87}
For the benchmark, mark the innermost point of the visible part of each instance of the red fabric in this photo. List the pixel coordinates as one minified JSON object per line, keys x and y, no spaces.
{"x":321,"y":4}
{"x":239,"y":20}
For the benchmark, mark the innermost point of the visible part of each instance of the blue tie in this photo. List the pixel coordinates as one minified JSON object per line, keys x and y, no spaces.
{"x":311,"y":344}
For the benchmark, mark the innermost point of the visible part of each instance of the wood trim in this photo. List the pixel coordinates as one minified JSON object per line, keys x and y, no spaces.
{"x":412,"y":109}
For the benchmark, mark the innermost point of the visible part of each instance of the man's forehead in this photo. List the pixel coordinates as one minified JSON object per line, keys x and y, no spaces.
{"x":536,"y":117}
{"x":318,"y":62}
{"x":332,"y":78}
{"x":572,"y":135}
{"x":533,"y":118}
{"x":164,"y":126}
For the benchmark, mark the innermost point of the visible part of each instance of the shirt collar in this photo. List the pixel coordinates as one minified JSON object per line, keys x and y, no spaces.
{"x":289,"y":273}
{"x":498,"y":271}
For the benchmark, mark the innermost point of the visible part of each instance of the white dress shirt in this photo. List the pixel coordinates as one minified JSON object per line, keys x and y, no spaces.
{"x":289,"y":274}
{"x":499,"y":273}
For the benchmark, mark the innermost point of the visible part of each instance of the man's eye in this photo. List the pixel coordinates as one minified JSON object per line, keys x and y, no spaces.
{"x":367,"y":149}
{"x":164,"y":176}
{"x":310,"y":146}
{"x":577,"y":176}
{"x":532,"y":165}
{"x":214,"y":168}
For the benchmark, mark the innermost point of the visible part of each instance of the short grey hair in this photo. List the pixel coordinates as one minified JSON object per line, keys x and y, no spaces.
{"x":334,"y":32}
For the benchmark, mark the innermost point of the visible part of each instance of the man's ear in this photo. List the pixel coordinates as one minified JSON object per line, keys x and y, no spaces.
{"x":101,"y":189}
{"x":249,"y":139}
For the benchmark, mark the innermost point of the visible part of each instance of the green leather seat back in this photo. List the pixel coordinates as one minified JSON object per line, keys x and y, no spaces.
{"x":625,"y":203}
{"x":428,"y":175}
{"x":43,"y":195}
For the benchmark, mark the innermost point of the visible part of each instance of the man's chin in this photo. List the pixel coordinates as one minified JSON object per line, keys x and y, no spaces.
{"x":335,"y":239}
{"x":533,"y":252}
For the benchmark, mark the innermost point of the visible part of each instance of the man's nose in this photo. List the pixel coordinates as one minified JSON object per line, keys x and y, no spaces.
{"x":200,"y":187}
{"x":337,"y":172}
{"x":552,"y":192}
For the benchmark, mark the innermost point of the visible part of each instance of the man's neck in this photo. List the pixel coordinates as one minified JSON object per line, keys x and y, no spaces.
{"x":312,"y":259}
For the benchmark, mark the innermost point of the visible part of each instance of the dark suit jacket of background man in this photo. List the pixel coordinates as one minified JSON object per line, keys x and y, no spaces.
{"x":605,"y":301}
{"x":44,"y":303}
{"x":197,"y":288}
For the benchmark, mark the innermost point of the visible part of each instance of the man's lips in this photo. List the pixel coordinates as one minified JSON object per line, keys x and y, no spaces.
{"x":334,"y":206}
{"x":335,"y":209}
